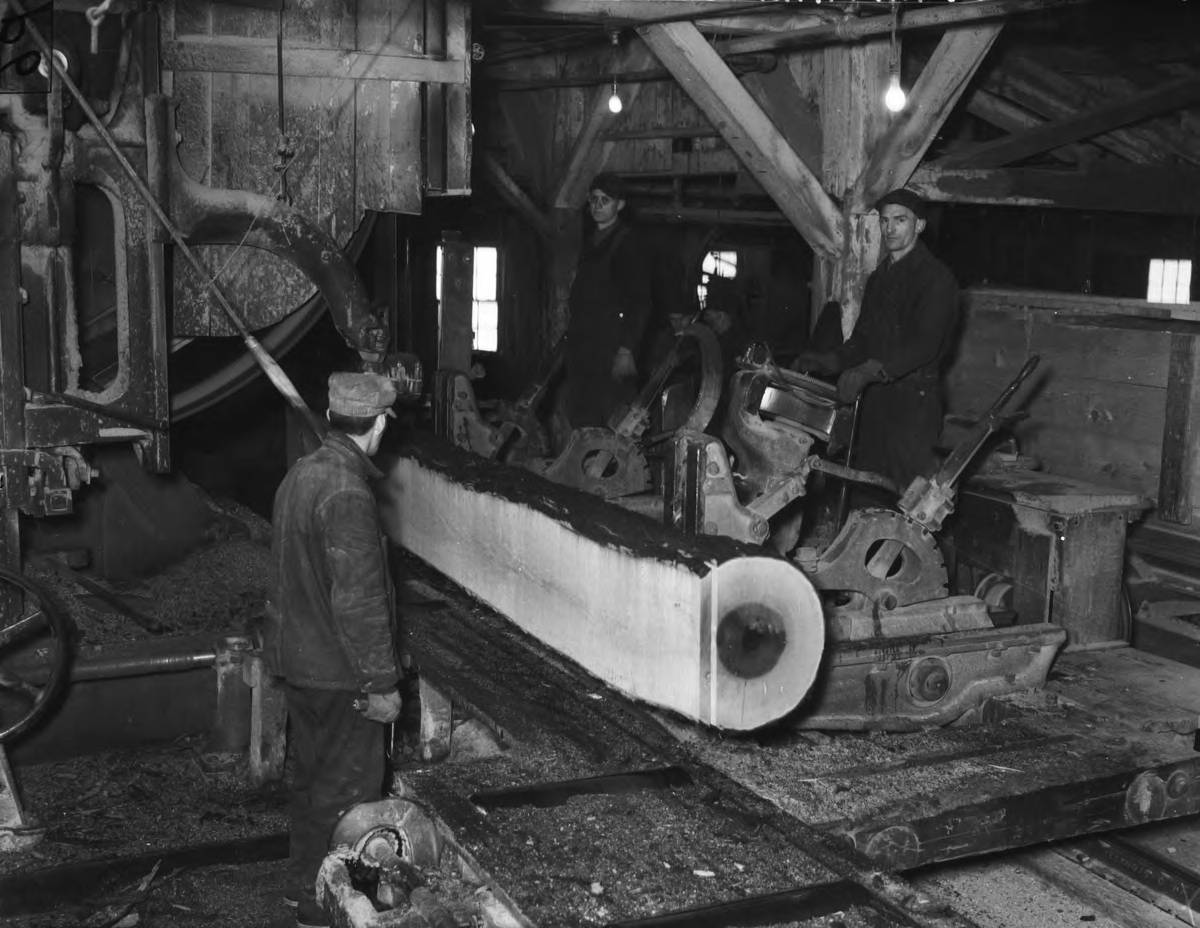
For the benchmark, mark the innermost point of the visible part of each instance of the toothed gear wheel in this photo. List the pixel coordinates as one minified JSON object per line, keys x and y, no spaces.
{"x":887,"y":557}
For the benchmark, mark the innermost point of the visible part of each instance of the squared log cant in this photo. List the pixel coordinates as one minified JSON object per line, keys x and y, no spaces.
{"x":707,"y":627}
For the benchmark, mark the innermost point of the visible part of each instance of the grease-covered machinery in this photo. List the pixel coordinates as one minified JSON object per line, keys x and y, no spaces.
{"x":900,"y":652}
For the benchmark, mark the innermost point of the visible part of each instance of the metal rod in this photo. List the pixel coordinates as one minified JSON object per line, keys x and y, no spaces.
{"x":113,"y":668}
{"x":269,"y":365}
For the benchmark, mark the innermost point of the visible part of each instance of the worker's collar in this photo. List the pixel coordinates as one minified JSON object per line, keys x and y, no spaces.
{"x":344,"y":445}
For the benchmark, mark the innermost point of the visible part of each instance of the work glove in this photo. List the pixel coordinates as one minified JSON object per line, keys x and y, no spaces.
{"x":382,"y":707}
{"x":815,"y":362}
{"x":623,"y":367}
{"x":855,"y":380}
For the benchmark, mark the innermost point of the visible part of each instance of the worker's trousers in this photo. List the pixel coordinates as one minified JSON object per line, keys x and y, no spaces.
{"x":337,"y":761}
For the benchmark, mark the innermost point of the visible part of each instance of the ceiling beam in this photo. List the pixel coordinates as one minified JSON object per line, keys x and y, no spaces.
{"x":1170,"y":96}
{"x":852,"y":29}
{"x":590,"y":153}
{"x":942,"y":81}
{"x":515,"y":197}
{"x":1053,"y":96}
{"x":1102,"y":187}
{"x":748,"y":132}
{"x":1010,"y":117}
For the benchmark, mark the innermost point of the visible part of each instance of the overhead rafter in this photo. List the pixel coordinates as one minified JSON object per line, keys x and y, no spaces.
{"x":1054,"y":96}
{"x":1174,"y":95}
{"x":517,"y":198}
{"x":942,"y":81}
{"x":1103,"y":186}
{"x":853,"y":30}
{"x":1010,"y":117}
{"x":590,"y":153}
{"x":748,"y":132}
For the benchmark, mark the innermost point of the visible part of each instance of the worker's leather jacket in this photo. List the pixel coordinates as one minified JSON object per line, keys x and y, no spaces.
{"x":330,"y":618}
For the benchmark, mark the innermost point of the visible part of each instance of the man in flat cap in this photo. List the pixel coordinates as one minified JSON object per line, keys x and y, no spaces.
{"x":330,"y":630}
{"x":904,"y":332}
{"x":610,"y":308}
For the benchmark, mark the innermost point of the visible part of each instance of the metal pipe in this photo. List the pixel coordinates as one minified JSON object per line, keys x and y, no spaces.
{"x":113,"y":668}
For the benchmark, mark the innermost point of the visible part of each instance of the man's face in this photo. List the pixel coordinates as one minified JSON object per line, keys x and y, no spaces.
{"x":603,"y":208}
{"x":900,"y":227}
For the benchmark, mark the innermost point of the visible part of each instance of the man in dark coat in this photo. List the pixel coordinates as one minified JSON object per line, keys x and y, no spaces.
{"x":610,"y":307}
{"x":330,"y":630}
{"x":904,"y":332}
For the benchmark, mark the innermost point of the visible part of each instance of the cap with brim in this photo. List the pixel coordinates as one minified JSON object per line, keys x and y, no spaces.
{"x":611,"y":184}
{"x":906,"y":198}
{"x":361,"y":394}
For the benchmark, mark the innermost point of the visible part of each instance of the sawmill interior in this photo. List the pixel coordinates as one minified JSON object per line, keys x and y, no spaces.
{"x":707,"y":657}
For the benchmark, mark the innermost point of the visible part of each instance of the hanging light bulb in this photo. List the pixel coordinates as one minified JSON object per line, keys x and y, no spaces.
{"x":894,"y":98}
{"x":614,"y":102}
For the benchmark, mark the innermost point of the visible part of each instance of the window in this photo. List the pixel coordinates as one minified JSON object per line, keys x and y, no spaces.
{"x":485,"y":306}
{"x":716,"y":264}
{"x":1170,"y":281}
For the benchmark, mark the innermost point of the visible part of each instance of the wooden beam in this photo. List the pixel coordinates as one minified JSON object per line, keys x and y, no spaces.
{"x":780,"y":98}
{"x":850,"y":30}
{"x":1008,"y":116}
{"x":1054,"y":96}
{"x":455,"y":336}
{"x":517,"y":198}
{"x":551,"y":559}
{"x":1178,"y":486}
{"x":749,"y":132}
{"x":852,"y":83}
{"x":942,"y":81}
{"x":1171,"y":96}
{"x":589,"y":153}
{"x":1127,"y":188}
{"x":226,"y":55}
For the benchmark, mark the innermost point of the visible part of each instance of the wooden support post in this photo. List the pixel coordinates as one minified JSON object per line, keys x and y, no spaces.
{"x":436,"y":722}
{"x":268,"y":722}
{"x":756,"y":141}
{"x":455,"y":336}
{"x":852,"y":121}
{"x":1181,"y":433}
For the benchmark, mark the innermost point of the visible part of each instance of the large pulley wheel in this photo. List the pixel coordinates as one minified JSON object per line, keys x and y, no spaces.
{"x":35,"y":654}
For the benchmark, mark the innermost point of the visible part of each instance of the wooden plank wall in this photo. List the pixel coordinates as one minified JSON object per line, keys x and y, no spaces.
{"x":1099,"y":409}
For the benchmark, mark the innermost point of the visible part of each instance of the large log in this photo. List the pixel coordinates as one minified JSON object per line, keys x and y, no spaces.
{"x":709,"y":628}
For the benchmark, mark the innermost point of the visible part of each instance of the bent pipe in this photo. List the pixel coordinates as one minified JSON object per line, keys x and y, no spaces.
{"x":218,"y":216}
{"x":278,"y":340}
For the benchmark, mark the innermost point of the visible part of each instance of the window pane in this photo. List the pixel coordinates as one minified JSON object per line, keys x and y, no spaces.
{"x":484,"y":284}
{"x":438,"y":287}
{"x":485,"y":320}
{"x":1183,"y":291}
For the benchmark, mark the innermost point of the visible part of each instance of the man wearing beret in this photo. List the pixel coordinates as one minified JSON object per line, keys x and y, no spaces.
{"x":903,"y":334}
{"x":330,"y":629}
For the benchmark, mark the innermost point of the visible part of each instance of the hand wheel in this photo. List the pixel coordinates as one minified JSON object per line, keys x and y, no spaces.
{"x":35,"y":655}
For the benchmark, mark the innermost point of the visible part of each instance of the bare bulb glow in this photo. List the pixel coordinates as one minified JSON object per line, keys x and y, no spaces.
{"x":895,"y":98}
{"x":614,"y":102}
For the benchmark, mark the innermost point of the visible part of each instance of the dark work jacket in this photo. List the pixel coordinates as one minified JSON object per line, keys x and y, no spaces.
{"x":610,"y":306}
{"x":909,"y":315}
{"x":330,"y":616}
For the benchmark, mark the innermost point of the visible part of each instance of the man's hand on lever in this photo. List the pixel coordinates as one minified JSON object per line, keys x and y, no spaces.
{"x":855,"y":380}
